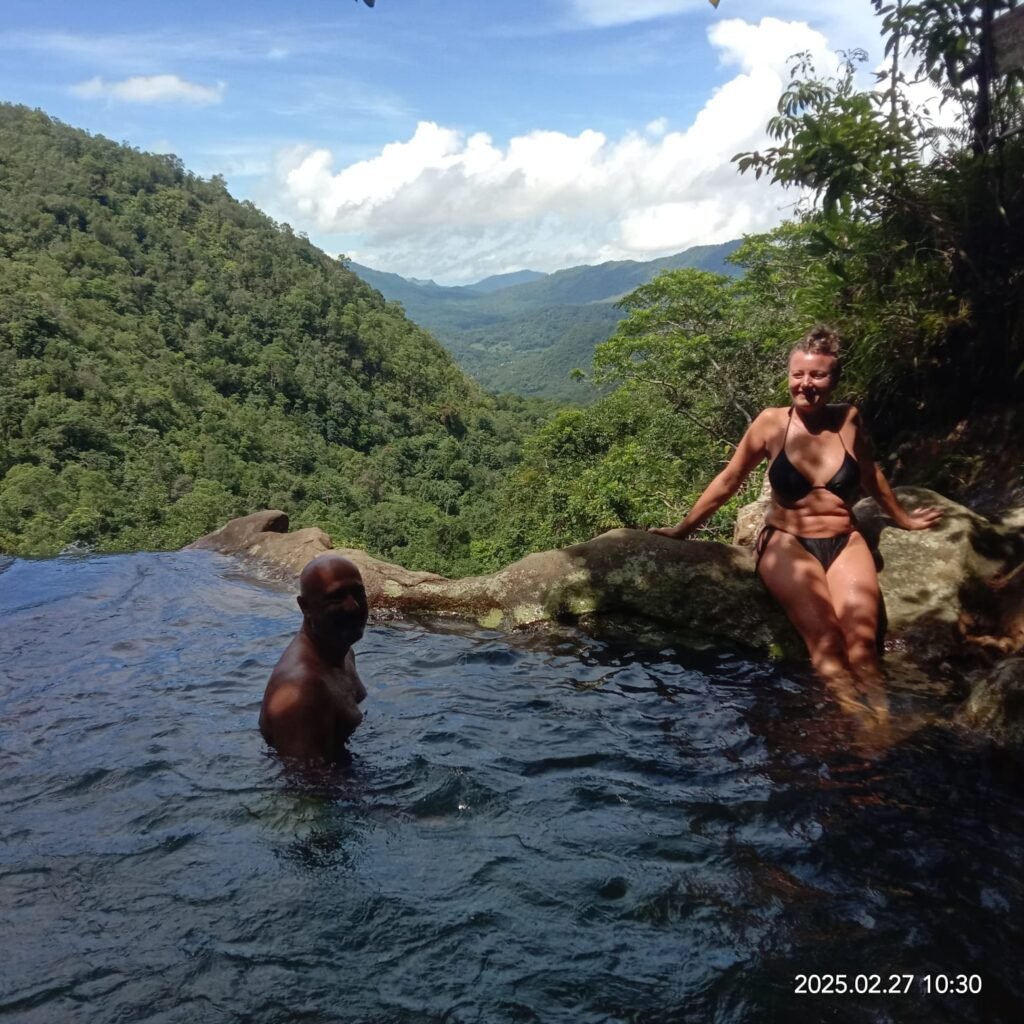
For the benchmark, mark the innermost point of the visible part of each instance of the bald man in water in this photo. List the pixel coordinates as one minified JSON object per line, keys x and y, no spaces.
{"x":311,"y":704}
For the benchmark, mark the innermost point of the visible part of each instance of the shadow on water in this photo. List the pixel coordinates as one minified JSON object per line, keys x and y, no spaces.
{"x":532,"y":828}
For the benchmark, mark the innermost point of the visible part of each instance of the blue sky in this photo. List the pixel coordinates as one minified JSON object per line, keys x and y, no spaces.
{"x":444,"y":138}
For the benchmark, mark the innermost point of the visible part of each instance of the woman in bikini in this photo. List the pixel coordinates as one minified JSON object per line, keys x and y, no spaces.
{"x":810,"y":554}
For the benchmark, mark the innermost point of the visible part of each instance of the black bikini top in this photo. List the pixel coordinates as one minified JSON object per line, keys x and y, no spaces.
{"x":789,"y":485}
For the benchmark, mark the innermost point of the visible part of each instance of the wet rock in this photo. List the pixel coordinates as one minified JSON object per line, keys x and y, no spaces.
{"x":939,"y":586}
{"x":264,"y":536}
{"x":697,"y":593}
{"x":995,"y":623}
{"x":1012,"y":519}
{"x":996,"y":704}
{"x":700,"y":594}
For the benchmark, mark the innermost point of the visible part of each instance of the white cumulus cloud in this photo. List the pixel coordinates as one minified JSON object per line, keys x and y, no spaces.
{"x":457,"y":206}
{"x":150,"y":89}
{"x":769,"y":45}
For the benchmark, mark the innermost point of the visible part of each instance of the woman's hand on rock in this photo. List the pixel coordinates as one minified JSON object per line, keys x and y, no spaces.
{"x":666,"y":531}
{"x":922,"y":518}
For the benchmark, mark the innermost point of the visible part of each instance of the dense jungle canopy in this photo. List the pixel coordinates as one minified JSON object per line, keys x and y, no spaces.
{"x":170,"y":357}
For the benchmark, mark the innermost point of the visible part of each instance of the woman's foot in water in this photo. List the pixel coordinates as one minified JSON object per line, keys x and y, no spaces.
{"x":865,"y":703}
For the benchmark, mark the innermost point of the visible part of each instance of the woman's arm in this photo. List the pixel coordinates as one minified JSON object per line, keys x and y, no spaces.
{"x":874,"y":482}
{"x":751,"y":450}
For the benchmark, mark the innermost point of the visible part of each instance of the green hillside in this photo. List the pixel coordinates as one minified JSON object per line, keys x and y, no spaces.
{"x":528,"y":337}
{"x":607,"y":282}
{"x":535,"y":353}
{"x":498,"y":281}
{"x":170,"y":357}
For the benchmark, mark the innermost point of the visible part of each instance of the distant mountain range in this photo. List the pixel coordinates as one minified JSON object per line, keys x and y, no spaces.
{"x":526,"y":331}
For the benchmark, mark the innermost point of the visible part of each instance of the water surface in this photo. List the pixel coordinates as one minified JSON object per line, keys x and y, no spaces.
{"x":535,"y":828}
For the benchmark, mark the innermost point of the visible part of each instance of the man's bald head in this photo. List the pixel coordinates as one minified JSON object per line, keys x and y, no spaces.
{"x":333,"y":602}
{"x":325,"y":569}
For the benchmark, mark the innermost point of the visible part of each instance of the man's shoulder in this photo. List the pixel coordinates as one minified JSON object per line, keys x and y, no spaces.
{"x":294,"y":697}
{"x":297,"y":680}
{"x":298,"y":660}
{"x":302,"y":682}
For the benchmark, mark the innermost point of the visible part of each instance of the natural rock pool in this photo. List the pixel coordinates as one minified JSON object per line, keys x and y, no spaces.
{"x":533,"y":828}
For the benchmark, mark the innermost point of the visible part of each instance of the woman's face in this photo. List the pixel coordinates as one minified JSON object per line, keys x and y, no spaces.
{"x":811,"y":380}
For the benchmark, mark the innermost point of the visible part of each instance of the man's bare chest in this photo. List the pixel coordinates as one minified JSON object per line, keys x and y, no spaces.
{"x":344,"y":685}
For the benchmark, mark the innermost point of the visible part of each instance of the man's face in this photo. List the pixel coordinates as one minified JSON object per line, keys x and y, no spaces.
{"x":337,"y":610}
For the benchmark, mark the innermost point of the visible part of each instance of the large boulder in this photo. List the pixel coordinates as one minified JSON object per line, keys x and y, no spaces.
{"x":934,"y":582}
{"x":696,"y":593}
{"x":263,"y":538}
{"x":942,"y":586}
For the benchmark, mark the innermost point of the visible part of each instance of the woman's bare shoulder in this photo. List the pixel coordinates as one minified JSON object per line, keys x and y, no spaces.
{"x":768,"y":424}
{"x":773,"y":416}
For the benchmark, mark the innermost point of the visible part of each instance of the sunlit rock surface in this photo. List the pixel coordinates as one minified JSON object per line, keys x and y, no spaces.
{"x":700,"y":593}
{"x":939,"y":585}
{"x":931,"y":579}
{"x":750,"y":518}
{"x":264,"y":536}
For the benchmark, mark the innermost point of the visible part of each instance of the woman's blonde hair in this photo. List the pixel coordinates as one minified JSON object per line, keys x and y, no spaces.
{"x":821,"y":341}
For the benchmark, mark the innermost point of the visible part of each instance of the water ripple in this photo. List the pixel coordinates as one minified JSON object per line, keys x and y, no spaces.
{"x":532,"y":828}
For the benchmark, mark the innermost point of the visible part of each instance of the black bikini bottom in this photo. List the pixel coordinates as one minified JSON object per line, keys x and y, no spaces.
{"x":825,"y":549}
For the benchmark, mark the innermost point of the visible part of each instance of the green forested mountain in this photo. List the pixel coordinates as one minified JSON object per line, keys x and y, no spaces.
{"x":496,"y":282}
{"x":170,"y":357}
{"x":527,"y":337}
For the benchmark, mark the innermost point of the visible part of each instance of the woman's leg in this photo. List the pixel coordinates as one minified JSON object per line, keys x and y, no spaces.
{"x":853,"y":586}
{"x":796,"y":579}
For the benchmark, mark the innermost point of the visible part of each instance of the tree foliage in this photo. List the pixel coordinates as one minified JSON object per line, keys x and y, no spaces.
{"x":920,"y":229}
{"x":170,"y":358}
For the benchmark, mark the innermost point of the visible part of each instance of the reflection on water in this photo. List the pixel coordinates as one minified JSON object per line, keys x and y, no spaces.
{"x":543,"y":829}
